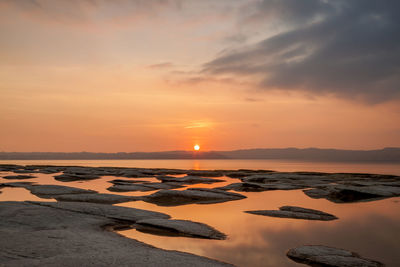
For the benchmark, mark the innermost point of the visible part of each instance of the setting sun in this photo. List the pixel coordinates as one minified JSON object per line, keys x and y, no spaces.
{"x":196,"y":147}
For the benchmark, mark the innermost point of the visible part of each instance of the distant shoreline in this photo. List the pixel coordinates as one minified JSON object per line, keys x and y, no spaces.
{"x":386,"y":155}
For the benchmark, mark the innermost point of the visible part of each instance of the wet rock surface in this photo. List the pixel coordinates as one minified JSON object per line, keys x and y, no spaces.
{"x":18,"y":177}
{"x":96,"y":198}
{"x":127,"y":182}
{"x":65,"y":177}
{"x":329,"y":257}
{"x":35,"y":235}
{"x":50,"y":191}
{"x":191,"y":196}
{"x":189,"y":179}
{"x":143,"y":187}
{"x":295,"y":213}
{"x":109,"y":211}
{"x":178,"y":228}
{"x":16,"y":184}
{"x":352,"y":193}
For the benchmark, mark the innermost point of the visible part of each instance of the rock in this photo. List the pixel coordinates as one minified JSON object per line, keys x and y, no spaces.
{"x":281,"y":176}
{"x":9,"y":167}
{"x":190,"y":196}
{"x":256,"y":187}
{"x":179,"y":227}
{"x":109,"y":211}
{"x":348,"y":193}
{"x":17,"y":184}
{"x":132,"y":174}
{"x":127,"y":182}
{"x":50,"y":191}
{"x":18,"y":177}
{"x":327,"y":256}
{"x":33,"y":235}
{"x":189,"y":179}
{"x":69,"y":177}
{"x":295,"y":213}
{"x":143,"y":187}
{"x":205,"y":173}
{"x":96,"y":198}
{"x":244,"y":173}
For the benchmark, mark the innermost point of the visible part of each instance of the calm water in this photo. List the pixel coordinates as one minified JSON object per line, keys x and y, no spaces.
{"x":371,"y":229}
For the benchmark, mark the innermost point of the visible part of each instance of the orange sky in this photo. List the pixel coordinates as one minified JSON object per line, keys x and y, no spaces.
{"x":78,"y":76}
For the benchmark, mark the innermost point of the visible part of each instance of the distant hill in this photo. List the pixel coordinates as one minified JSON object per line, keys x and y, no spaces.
{"x":307,"y":154}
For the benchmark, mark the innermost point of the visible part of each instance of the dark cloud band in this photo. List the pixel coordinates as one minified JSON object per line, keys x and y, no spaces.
{"x":340,"y":47}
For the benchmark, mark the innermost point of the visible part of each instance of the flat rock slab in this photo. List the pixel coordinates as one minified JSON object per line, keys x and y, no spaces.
{"x":34,"y":235}
{"x":18,"y":177}
{"x":189,"y":179}
{"x":67,"y":177}
{"x":329,"y":257}
{"x":191,"y":196}
{"x":143,"y":187}
{"x":350,"y":193}
{"x":16,"y":184}
{"x":49,"y":191}
{"x":109,"y":211}
{"x":127,"y":182}
{"x":96,"y":198}
{"x":295,"y":213}
{"x":179,"y":228}
{"x":258,"y":187}
{"x":212,"y":173}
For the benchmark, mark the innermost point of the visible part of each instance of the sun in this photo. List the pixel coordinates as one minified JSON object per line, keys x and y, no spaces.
{"x":196,"y":147}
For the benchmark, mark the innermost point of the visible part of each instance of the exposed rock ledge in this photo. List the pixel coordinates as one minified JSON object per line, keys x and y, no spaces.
{"x":295,"y":213}
{"x":329,"y":257}
{"x":191,"y":196}
{"x":178,"y":228}
{"x":34,"y":235}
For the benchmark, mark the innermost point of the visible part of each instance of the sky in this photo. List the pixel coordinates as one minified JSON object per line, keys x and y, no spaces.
{"x":137,"y":75}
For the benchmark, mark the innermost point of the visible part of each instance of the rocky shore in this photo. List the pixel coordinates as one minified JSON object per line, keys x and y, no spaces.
{"x":76,"y":228}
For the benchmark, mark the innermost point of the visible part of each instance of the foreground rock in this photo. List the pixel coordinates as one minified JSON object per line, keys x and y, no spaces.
{"x":350,"y":193}
{"x":295,"y":213}
{"x":179,"y":227}
{"x":109,"y":211}
{"x":127,"y":182}
{"x":96,"y":198}
{"x":50,"y":191}
{"x":257,"y":187}
{"x":330,"y":257}
{"x":18,"y":177}
{"x":34,"y":235}
{"x":67,"y":177}
{"x":16,"y":184}
{"x":189,"y":179}
{"x":142,"y":187}
{"x":191,"y":196}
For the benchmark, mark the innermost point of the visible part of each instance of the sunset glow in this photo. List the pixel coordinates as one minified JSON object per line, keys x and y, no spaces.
{"x":105,"y":76}
{"x":196,"y":147}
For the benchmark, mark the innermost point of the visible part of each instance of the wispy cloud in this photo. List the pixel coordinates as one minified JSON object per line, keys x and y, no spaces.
{"x":200,"y":124}
{"x":164,"y":65}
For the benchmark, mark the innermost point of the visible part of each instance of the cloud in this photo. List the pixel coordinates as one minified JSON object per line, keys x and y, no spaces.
{"x":85,"y":11}
{"x":346,"y":48}
{"x":164,"y":65}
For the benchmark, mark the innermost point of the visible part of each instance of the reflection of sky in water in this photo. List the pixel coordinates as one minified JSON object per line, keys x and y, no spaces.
{"x":371,"y":229}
